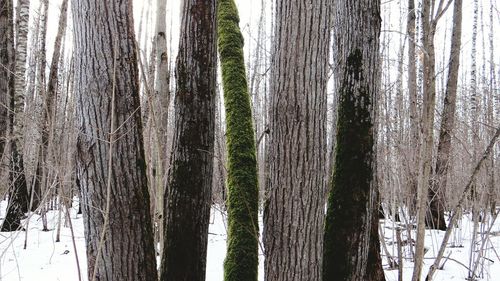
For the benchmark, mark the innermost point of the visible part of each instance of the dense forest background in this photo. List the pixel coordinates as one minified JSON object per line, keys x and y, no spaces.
{"x":365,"y":128}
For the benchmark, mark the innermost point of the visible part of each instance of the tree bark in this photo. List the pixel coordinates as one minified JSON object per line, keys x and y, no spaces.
{"x":16,"y":184}
{"x":429,"y":22}
{"x":242,"y":258}
{"x":18,"y":192}
{"x":294,"y":207}
{"x":110,"y":154}
{"x":6,"y":67}
{"x":435,"y":219}
{"x":22,"y":20}
{"x":352,"y":217}
{"x":187,"y":198}
{"x":162,"y":82}
{"x":414,"y":110}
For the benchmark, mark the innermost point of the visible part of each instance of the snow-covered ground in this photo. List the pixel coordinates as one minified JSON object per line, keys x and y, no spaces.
{"x":45,"y":259}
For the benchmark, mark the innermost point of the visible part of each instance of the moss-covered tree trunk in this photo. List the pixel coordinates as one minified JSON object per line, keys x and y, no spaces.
{"x":351,"y":242}
{"x":241,"y":262}
{"x":188,"y":194}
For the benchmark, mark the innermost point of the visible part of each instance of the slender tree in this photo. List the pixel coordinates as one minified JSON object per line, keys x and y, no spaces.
{"x":294,"y":207}
{"x":430,"y":18}
{"x":352,"y":220}
{"x":412,"y":92}
{"x":41,"y":79}
{"x":242,"y":260}
{"x":188,"y":193}
{"x":110,"y":155}
{"x":162,"y":81}
{"x":435,"y":218}
{"x":47,"y":118}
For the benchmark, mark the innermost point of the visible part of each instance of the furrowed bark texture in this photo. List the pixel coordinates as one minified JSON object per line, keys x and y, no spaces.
{"x":18,"y":192}
{"x":18,"y":197}
{"x":295,"y":195}
{"x":106,"y":71}
{"x":435,"y":219}
{"x":6,"y":67}
{"x":188,"y":192}
{"x":242,"y":259}
{"x":351,"y":246}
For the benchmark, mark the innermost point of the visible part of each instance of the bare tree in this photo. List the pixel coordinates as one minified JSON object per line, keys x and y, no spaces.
{"x":412,"y":92}
{"x":6,"y":67}
{"x":162,"y":81}
{"x":430,"y":18}
{"x":352,"y":222}
{"x":18,"y":191}
{"x":294,"y":206}
{"x":188,"y":193}
{"x":110,"y":155}
{"x":435,"y":219}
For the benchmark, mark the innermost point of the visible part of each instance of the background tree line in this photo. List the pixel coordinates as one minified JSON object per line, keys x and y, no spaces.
{"x":360,"y":108}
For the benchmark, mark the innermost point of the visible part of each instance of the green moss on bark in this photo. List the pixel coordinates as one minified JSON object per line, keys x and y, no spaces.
{"x":347,"y":220}
{"x":241,"y":262}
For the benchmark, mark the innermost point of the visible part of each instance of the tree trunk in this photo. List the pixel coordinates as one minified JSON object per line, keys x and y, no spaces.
{"x":18,"y":197}
{"x":352,"y":217}
{"x":22,"y":20}
{"x":110,"y":154}
{"x":37,"y":187}
{"x":18,"y":193}
{"x":427,"y":133}
{"x":436,"y":194}
{"x":242,"y":258}
{"x":160,"y":109}
{"x":294,"y":207}
{"x":47,"y":118}
{"x":414,"y":112}
{"x":162,"y":82}
{"x":6,"y":67}
{"x":187,"y":198}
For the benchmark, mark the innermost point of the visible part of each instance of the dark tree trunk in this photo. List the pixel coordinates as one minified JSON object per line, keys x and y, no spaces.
{"x":6,"y":68}
{"x":242,"y":259}
{"x":435,"y":218}
{"x":295,"y":199}
{"x":188,"y":193}
{"x":18,"y":193}
{"x":111,"y":166}
{"x":351,"y":246}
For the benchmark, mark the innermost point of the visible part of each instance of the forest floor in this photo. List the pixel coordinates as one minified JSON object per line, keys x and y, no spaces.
{"x":45,"y":259}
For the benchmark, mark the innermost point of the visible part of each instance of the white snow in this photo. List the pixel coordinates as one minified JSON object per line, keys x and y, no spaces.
{"x":45,"y":259}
